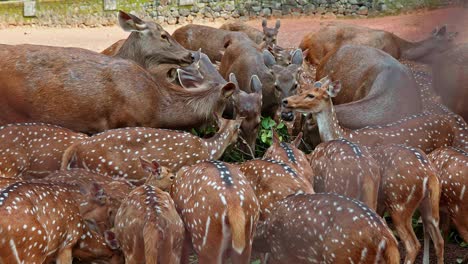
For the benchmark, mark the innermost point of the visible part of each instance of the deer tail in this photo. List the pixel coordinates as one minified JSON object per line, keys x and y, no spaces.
{"x":151,"y":237}
{"x":236,"y":219}
{"x":69,"y":156}
{"x":389,"y":250}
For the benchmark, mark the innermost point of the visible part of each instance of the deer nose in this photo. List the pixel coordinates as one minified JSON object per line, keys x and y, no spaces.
{"x":285,"y":102}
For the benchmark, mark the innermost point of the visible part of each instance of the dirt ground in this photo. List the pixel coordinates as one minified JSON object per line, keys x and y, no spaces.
{"x":414,"y":26}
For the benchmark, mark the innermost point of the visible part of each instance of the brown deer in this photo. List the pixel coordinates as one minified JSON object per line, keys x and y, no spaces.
{"x":51,"y":227}
{"x":220,"y":220}
{"x":245,"y":60}
{"x":340,"y":166}
{"x":268,"y":37}
{"x":326,"y":40}
{"x":452,"y":166}
{"x":148,"y":227}
{"x":426,"y":131}
{"x":31,"y":150}
{"x":450,"y":74}
{"x":148,"y":44}
{"x":194,"y":37}
{"x":409,"y":181}
{"x":328,"y":228}
{"x":376,"y":88}
{"x":290,"y":154}
{"x":80,"y":89}
{"x":116,"y":152}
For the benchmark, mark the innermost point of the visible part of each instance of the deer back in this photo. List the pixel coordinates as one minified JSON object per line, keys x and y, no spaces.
{"x":254,"y":34}
{"x":224,"y":213}
{"x":32,"y":149}
{"x":148,"y":227}
{"x":343,"y":167}
{"x":332,"y":227}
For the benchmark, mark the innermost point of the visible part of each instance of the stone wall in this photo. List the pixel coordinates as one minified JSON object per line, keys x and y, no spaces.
{"x":103,"y":12}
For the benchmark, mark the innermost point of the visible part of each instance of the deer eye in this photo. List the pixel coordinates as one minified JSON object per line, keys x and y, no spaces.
{"x":311,"y":96}
{"x":164,"y":36}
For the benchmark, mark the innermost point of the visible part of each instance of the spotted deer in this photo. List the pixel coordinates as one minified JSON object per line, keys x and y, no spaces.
{"x":31,"y":150}
{"x":328,"y":228}
{"x":426,"y":131}
{"x":220,"y":220}
{"x":325,"y":40}
{"x":452,"y":166}
{"x":341,"y":166}
{"x":290,"y":154}
{"x":148,"y":227}
{"x":116,"y":153}
{"x":409,"y":181}
{"x":148,"y":44}
{"x":51,"y":227}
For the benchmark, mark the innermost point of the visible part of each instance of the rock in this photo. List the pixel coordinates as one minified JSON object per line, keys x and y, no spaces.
{"x":184,"y":12}
{"x":363,"y":11}
{"x":175,"y":13}
{"x":399,"y":6}
{"x":216,"y":8}
{"x":256,"y":8}
{"x":182,"y":20}
{"x":320,"y":10}
{"x":161,"y":19}
{"x":171,"y":20}
{"x":216,"y":14}
{"x":309,"y":9}
{"x":266,"y":12}
{"x":353,"y":2}
{"x":329,"y":15}
{"x":383,"y":8}
{"x":276,"y":13}
{"x":229,"y":7}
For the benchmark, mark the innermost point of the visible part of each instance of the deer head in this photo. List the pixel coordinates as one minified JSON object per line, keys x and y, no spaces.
{"x":314,"y":99}
{"x":270,"y":34}
{"x":160,"y":176}
{"x":97,"y":206}
{"x":150,"y":44}
{"x":249,"y":106}
{"x":286,"y":78}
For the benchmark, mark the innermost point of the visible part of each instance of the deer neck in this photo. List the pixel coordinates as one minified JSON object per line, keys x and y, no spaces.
{"x":218,"y":143}
{"x":327,"y":122}
{"x":413,"y":50}
{"x":130,"y":50}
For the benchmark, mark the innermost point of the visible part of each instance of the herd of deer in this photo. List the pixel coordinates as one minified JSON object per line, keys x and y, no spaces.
{"x":91,"y":170}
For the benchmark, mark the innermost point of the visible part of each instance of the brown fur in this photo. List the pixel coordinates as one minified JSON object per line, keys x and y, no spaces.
{"x":148,"y":227}
{"x":329,"y":228}
{"x":194,"y":37}
{"x":377,"y":89}
{"x":32,"y":150}
{"x":322,"y":42}
{"x":450,"y":74}
{"x":51,"y":227}
{"x":90,"y":92}
{"x":220,"y":220}
{"x":114,"y":48}
{"x":254,"y":34}
{"x":426,"y":131}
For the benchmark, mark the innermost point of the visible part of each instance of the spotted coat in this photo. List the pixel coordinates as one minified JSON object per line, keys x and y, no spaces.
{"x":33,"y":149}
{"x":328,"y":228}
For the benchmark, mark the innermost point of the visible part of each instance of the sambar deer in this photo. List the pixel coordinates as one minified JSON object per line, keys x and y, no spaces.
{"x":210,"y":40}
{"x":450,"y":79}
{"x":51,"y":227}
{"x":148,"y":227}
{"x":267,"y":38}
{"x":246,"y":60}
{"x":452,"y":166}
{"x":148,"y":44}
{"x":117,"y":152}
{"x":221,"y":219}
{"x":376,"y":88}
{"x":32,"y":150}
{"x":328,"y":228}
{"x":90,"y":92}
{"x":328,"y":37}
{"x":427,"y":131}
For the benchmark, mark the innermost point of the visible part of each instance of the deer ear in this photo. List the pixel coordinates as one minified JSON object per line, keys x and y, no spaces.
{"x":275,"y":136}
{"x":264,"y":23}
{"x":278,"y":24}
{"x":189,"y":80}
{"x":297,"y":57}
{"x":228,"y":89}
{"x":129,"y":22}
{"x":172,"y":74}
{"x":152,"y":167}
{"x":297,"y":140}
{"x":233,"y":79}
{"x":268,"y":58}
{"x":111,"y":240}
{"x":255,"y":84}
{"x":334,"y":88}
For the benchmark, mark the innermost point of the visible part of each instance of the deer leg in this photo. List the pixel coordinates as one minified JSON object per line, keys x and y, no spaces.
{"x":65,"y":256}
{"x":402,"y":221}
{"x":461,"y":223}
{"x":241,"y":258}
{"x":444,"y":223}
{"x":430,"y":216}
{"x":186,"y":249}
